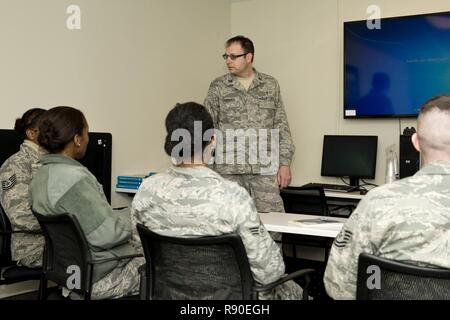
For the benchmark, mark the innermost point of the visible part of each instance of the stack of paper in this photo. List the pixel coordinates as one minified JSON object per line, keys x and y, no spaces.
{"x":329,"y":223}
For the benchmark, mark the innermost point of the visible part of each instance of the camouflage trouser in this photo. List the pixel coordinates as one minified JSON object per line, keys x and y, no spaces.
{"x":32,"y":261}
{"x":122,"y":281}
{"x":263,"y":189}
{"x":27,"y":249}
{"x":286,"y":291}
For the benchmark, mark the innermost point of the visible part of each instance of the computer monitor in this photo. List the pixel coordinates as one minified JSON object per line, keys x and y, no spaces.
{"x":10,"y":142}
{"x":97,"y":158}
{"x":354,"y":157}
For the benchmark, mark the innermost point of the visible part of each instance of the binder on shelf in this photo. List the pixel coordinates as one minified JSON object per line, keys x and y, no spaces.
{"x":127,"y":186}
{"x":121,"y":184}
{"x":131,"y":181}
{"x":137,"y":177}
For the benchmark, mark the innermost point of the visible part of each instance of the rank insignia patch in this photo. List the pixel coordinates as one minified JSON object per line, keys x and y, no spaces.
{"x":8,"y":184}
{"x":343,"y":238}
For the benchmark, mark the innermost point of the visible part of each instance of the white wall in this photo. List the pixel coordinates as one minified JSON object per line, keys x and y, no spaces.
{"x":127,"y":66}
{"x":300,"y":43}
{"x":133,"y":60}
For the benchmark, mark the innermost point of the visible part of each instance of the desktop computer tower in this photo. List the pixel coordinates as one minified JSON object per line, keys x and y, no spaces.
{"x":98,"y":159}
{"x":409,"y":157}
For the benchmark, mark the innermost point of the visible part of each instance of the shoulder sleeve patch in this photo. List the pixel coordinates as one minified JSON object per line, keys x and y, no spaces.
{"x":343,"y":238}
{"x":8,"y":184}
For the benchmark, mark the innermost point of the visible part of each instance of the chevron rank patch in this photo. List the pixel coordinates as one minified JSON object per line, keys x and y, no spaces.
{"x":8,"y":184}
{"x":343,"y":238}
{"x":257,"y":230}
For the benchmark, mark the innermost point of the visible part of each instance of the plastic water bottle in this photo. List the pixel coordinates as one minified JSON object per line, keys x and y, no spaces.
{"x":392,"y":173}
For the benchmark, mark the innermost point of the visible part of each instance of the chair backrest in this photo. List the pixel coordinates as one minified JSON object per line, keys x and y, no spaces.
{"x":383,"y":279}
{"x":5,"y":239}
{"x":305,"y":200}
{"x":213,"y":267}
{"x":65,"y":246}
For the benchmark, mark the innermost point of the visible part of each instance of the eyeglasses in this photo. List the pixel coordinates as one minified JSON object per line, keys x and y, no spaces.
{"x":232,"y":56}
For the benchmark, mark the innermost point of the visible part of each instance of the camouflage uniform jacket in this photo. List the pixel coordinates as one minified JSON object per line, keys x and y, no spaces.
{"x":259,"y":107}
{"x":193,"y":202}
{"x":15,"y":175}
{"x":62,"y":185}
{"x":406,"y":221}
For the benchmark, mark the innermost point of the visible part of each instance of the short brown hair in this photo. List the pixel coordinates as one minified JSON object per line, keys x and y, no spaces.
{"x":441,"y":102}
{"x":245,"y":43}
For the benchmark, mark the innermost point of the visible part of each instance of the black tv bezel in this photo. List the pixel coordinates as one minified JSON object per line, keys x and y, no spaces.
{"x":396,"y":116}
{"x":372,"y":176}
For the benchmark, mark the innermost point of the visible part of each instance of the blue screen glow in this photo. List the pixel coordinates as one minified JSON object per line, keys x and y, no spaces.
{"x":392,"y":71}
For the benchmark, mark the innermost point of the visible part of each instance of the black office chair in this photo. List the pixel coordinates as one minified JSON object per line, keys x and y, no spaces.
{"x":306,"y":200}
{"x":10,"y":272}
{"x":65,"y":246}
{"x":393,"y":280}
{"x":213,"y":267}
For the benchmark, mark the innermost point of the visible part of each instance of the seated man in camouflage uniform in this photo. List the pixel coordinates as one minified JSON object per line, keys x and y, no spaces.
{"x":15,"y":175}
{"x":191,"y":200}
{"x":406,"y":221}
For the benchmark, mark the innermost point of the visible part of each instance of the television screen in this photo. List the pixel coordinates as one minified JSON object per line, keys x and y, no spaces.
{"x":392,"y":71}
{"x":354,"y":157}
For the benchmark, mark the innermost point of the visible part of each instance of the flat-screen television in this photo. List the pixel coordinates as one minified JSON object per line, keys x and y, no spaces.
{"x":393,"y":70}
{"x":97,"y":158}
{"x":351,"y":157}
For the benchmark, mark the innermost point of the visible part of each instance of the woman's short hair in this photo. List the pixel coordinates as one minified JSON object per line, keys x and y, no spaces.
{"x":185,"y":119}
{"x":58,"y":126}
{"x":29,"y":120}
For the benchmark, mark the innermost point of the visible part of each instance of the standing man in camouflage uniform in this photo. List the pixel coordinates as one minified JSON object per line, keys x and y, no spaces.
{"x":251,"y":101}
{"x":406,"y":221}
{"x":15,"y":176}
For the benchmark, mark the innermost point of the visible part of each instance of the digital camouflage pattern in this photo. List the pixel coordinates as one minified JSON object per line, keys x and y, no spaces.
{"x":406,"y":221}
{"x":122,"y":281}
{"x":196,"y":201}
{"x":263,"y":189}
{"x":259,"y":107}
{"x":15,"y":176}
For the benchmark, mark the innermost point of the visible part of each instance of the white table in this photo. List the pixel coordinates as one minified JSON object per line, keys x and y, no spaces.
{"x":344,"y":195}
{"x":283,"y":222}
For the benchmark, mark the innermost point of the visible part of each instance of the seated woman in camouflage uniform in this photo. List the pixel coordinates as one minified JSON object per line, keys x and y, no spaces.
{"x":62,"y":185}
{"x":15,"y":176}
{"x":191,"y":200}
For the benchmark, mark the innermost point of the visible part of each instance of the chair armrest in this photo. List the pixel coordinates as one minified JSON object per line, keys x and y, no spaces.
{"x":115,"y":258}
{"x":293,"y":275}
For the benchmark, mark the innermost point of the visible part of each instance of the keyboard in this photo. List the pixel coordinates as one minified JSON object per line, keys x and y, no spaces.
{"x":332,"y":187}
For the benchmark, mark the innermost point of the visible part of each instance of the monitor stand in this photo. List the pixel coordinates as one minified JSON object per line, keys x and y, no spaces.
{"x":354,"y":182}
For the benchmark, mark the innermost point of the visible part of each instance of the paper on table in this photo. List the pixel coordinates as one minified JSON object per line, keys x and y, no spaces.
{"x":318,"y":222}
